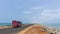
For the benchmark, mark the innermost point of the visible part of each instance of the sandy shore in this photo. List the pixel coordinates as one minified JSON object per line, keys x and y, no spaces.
{"x":34,"y":29}
{"x":39,"y":29}
{"x":3,"y":27}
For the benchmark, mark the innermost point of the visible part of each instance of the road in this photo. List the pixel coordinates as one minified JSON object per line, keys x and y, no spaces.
{"x":13,"y":30}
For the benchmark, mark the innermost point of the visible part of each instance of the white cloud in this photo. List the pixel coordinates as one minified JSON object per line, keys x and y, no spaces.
{"x":27,"y":12}
{"x":36,"y":8}
{"x":46,"y":15}
{"x":51,"y":13}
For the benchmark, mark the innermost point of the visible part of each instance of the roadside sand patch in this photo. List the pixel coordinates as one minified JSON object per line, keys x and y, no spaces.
{"x":3,"y":27}
{"x":34,"y":29}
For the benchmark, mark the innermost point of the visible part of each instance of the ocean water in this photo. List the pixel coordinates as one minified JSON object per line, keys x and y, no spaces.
{"x":55,"y":25}
{"x":5,"y":24}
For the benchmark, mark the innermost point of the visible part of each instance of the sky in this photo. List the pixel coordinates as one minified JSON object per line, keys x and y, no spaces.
{"x":30,"y":11}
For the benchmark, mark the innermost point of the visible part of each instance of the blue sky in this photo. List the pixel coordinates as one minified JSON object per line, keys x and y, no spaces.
{"x":30,"y":11}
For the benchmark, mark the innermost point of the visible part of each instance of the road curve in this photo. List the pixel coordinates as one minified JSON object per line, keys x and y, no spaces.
{"x":13,"y":30}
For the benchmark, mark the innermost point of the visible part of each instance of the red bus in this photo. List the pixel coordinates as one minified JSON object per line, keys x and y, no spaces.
{"x":16,"y":24}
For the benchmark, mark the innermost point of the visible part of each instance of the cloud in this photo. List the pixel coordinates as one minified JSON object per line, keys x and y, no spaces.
{"x":36,"y":8}
{"x":45,"y":15}
{"x":27,"y":12}
{"x":51,"y":13}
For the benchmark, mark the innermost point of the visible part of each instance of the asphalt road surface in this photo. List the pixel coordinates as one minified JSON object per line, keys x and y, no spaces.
{"x":13,"y":30}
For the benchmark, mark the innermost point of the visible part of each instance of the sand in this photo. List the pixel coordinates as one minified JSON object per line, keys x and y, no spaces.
{"x":34,"y":29}
{"x":3,"y":27}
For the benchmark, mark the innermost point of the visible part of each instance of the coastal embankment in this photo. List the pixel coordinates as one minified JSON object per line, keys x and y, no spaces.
{"x":30,"y":29}
{"x":39,"y":29}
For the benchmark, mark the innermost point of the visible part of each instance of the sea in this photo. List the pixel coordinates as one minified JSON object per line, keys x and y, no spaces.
{"x":5,"y":24}
{"x":56,"y":25}
{"x":53,"y":25}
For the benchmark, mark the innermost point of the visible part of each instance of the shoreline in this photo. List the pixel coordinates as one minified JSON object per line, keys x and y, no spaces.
{"x":3,"y":27}
{"x":44,"y":28}
{"x":36,"y":28}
